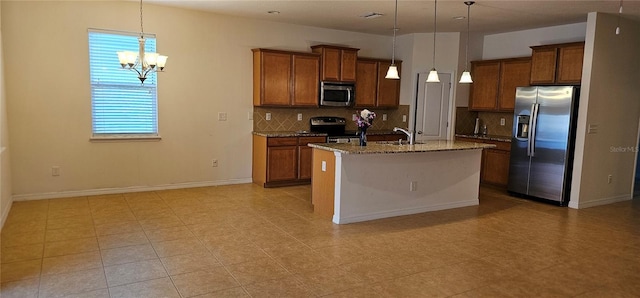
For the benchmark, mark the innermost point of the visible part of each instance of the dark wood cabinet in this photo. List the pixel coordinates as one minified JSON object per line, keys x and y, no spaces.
{"x":338,"y":64}
{"x":372,"y":88}
{"x":557,"y":64}
{"x":280,"y":161}
{"x":283,"y":78}
{"x":495,"y":161}
{"x":495,"y":81}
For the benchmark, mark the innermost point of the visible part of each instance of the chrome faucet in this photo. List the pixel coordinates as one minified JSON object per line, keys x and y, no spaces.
{"x":407,"y":132}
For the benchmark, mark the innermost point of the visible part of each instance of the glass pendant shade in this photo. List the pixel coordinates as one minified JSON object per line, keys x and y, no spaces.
{"x":433,"y":76}
{"x":466,"y":78}
{"x":392,"y":73}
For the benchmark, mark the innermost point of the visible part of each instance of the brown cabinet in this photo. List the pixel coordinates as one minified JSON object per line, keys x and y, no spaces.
{"x":557,"y":64}
{"x":372,"y":88}
{"x":495,"y":81}
{"x":283,"y":78}
{"x":495,"y":161}
{"x":279,"y":161}
{"x":337,"y":63}
{"x":386,"y":137}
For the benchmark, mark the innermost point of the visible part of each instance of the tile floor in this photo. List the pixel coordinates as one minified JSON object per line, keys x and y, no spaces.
{"x":243,"y":240}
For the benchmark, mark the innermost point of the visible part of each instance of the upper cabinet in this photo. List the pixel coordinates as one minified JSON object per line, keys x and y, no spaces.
{"x":495,"y":81}
{"x":372,"y":89}
{"x":338,"y":64}
{"x":557,"y":64}
{"x":282,"y":78}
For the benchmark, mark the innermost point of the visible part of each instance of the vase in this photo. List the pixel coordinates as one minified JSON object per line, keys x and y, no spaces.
{"x":363,"y":137}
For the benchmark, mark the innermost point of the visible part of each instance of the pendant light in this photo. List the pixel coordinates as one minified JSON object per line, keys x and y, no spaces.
{"x":433,"y":74}
{"x":466,"y":75}
{"x":392,"y":73}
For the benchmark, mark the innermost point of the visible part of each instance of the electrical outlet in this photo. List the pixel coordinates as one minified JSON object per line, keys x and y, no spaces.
{"x":299,"y":116}
{"x":324,"y":165}
{"x":354,"y":117}
{"x":404,"y":118}
{"x":222,"y":116}
{"x":267,"y":116}
{"x":384,"y":117}
{"x":214,"y":162}
{"x":502,"y":121}
{"x":609,"y":179}
{"x":55,"y":171}
{"x":413,"y":186}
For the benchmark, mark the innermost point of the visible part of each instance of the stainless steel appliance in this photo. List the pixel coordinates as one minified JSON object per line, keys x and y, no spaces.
{"x":334,"y":127}
{"x":337,"y":94}
{"x":543,"y":142}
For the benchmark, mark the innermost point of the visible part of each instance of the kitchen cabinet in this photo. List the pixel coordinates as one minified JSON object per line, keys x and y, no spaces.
{"x":372,"y":88}
{"x":495,"y":161}
{"x":392,"y":137}
{"x":557,"y":64}
{"x":338,"y":64}
{"x":280,"y":161}
{"x":282,"y":78}
{"x":495,"y":81}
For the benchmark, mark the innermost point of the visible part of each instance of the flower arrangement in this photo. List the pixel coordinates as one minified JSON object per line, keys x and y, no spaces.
{"x":365,"y":119}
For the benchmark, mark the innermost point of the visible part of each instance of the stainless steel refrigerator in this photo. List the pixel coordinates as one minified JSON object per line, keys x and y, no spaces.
{"x":543,"y":142}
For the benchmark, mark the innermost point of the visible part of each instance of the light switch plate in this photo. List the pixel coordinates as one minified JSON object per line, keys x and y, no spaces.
{"x":384,"y":117}
{"x":267,"y":116}
{"x":299,"y":116}
{"x":502,"y":121}
{"x":404,"y":118}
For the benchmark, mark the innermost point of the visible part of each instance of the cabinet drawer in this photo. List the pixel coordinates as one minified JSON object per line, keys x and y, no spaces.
{"x":292,"y":141}
{"x":303,"y":141}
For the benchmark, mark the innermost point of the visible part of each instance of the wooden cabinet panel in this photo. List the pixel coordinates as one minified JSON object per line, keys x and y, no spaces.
{"x":388,"y":89}
{"x":543,"y":66}
{"x":366,"y":83}
{"x":337,"y":63}
{"x":274,"y":84}
{"x":304,"y":165}
{"x":331,"y":64}
{"x":484,"y":90}
{"x":495,"y":166}
{"x":348,"y":69}
{"x":570,"y":64}
{"x":513,"y":73}
{"x":306,"y":80}
{"x":284,"y":141}
{"x":282,"y":163}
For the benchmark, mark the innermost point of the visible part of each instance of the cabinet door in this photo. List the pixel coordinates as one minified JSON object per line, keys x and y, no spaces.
{"x":304,"y":162}
{"x":570,"y":64}
{"x":543,"y":66}
{"x":495,"y":166}
{"x":306,"y":77}
{"x":366,"y":83}
{"x":331,"y":64}
{"x":348,"y":65}
{"x":275,"y":81}
{"x":388,"y":89}
{"x":513,"y":73}
{"x":282,"y":163}
{"x":484,"y":90}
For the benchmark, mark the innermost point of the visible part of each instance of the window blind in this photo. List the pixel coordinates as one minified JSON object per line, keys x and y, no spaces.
{"x":120,"y":104}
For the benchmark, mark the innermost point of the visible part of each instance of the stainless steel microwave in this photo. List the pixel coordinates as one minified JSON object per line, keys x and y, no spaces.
{"x":337,"y":94}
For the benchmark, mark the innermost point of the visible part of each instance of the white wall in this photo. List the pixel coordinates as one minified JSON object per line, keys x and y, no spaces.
{"x":5,"y":171}
{"x":518,"y":43}
{"x":209,"y":71}
{"x":610,"y":100}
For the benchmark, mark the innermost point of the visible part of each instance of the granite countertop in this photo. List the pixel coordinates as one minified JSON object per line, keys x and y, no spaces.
{"x":486,"y":137}
{"x":305,"y":133}
{"x":386,"y":148}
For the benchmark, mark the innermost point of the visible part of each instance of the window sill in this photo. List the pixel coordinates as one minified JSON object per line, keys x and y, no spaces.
{"x":120,"y":138}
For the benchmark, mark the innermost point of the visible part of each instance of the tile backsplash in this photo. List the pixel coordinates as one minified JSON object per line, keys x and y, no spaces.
{"x":465,"y":122}
{"x":286,"y":119}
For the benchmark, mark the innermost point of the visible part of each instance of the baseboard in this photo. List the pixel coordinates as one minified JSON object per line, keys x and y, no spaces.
{"x":401,"y":212}
{"x":107,"y":191}
{"x":599,"y":202}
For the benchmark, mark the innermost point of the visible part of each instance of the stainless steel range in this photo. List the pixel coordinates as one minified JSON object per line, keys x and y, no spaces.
{"x":334,"y":127}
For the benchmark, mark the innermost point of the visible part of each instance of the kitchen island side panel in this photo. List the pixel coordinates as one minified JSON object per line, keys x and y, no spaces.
{"x":373,"y":186}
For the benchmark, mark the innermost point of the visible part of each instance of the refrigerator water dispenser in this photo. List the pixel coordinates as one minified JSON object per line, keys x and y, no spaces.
{"x":523,"y":126}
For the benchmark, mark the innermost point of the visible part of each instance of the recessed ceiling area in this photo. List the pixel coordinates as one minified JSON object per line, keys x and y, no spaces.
{"x":413,"y":16}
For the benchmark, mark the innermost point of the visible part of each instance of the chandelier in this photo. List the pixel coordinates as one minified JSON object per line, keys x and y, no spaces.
{"x":141,"y":62}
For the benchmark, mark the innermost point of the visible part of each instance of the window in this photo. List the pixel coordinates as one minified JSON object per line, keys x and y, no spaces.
{"x":121,"y":107}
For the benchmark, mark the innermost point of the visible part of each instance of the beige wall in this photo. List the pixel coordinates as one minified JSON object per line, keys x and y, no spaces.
{"x":209,"y":71}
{"x":5,"y":171}
{"x":610,"y":100}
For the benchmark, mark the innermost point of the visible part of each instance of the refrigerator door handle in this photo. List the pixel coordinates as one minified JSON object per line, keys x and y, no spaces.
{"x":532,"y":129}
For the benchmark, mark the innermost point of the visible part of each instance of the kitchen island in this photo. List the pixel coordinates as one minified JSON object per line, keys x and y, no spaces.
{"x":353,"y":183}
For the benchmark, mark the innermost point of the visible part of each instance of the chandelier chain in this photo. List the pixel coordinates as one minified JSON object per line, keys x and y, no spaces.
{"x":395,"y":28}
{"x":435,"y":29}
{"x":141,"y":27}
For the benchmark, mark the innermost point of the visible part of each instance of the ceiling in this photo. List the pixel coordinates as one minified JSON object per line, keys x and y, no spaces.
{"x":413,"y":16}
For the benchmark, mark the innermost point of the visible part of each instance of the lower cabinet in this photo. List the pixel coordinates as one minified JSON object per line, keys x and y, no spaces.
{"x":495,"y":161}
{"x":280,"y":161}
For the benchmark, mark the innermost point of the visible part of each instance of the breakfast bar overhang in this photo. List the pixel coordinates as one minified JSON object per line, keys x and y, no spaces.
{"x":355,"y":183}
